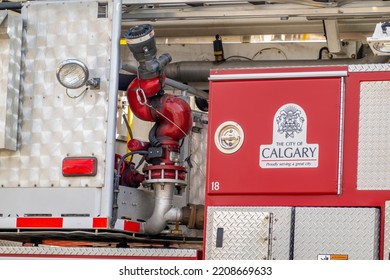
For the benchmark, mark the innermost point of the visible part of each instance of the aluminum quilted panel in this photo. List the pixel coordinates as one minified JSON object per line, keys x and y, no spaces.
{"x":348,"y":231}
{"x":10,"y":57}
{"x":248,"y":229}
{"x":374,"y":132}
{"x":52,"y":125}
{"x":387,"y":232}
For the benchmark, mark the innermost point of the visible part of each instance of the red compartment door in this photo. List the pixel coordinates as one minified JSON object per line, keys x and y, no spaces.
{"x":275,"y":135}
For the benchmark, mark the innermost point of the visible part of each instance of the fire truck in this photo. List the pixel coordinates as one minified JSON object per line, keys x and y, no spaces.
{"x":217,"y":130}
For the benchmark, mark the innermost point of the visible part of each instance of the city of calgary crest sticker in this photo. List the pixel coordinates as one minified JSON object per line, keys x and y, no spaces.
{"x":289,"y":148}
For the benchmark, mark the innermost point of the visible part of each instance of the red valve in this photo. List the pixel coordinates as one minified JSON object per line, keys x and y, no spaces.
{"x":171,"y":113}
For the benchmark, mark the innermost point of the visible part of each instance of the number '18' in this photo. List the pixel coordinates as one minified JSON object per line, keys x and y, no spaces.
{"x":215,"y":186}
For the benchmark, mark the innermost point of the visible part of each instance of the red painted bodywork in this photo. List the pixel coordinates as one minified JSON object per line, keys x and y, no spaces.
{"x":319,"y":97}
{"x":238,"y":173}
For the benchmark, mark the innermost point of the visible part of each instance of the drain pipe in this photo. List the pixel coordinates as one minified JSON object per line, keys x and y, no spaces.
{"x":164,"y":211}
{"x":191,"y":216}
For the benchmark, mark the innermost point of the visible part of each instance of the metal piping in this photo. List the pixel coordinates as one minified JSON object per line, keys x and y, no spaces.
{"x":163,"y":209}
{"x":199,"y":71}
{"x":107,"y":192}
{"x":196,"y":92}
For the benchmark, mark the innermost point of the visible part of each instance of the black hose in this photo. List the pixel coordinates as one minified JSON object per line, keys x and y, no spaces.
{"x":152,"y":136}
{"x":127,"y":126}
{"x":384,"y":26}
{"x":141,"y":161}
{"x":321,"y":51}
{"x":10,"y":5}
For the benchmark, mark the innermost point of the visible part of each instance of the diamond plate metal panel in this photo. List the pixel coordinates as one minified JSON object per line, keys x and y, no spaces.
{"x":369,"y":68}
{"x":7,"y":243}
{"x":349,"y":231}
{"x":10,"y":57}
{"x":101,"y":252}
{"x":387,"y":232}
{"x":374,"y":132}
{"x":197,"y":173}
{"x":246,"y":228}
{"x":53,"y":126}
{"x":246,"y":235}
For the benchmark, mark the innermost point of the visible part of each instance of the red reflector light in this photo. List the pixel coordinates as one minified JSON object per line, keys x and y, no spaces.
{"x":132,"y":226}
{"x":79,"y":166}
{"x":100,"y":222}
{"x":39,"y":222}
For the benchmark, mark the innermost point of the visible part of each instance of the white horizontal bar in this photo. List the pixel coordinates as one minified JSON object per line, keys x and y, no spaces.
{"x":285,"y":75}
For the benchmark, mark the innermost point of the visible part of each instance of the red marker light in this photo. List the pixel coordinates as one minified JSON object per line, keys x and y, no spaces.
{"x":79,"y":166}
